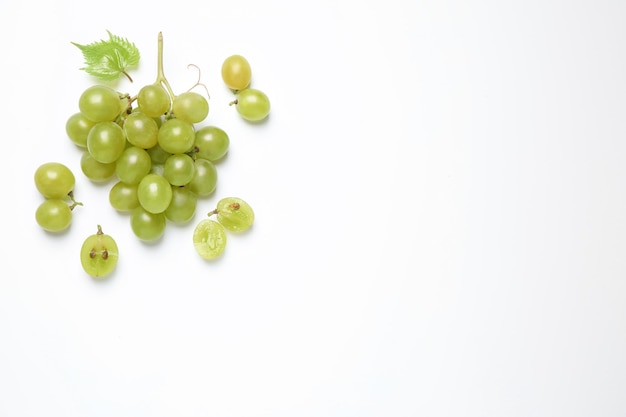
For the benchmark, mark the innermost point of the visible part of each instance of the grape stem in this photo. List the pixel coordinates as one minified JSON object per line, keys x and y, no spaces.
{"x":74,"y":202}
{"x":212,"y":212}
{"x":160,"y":73}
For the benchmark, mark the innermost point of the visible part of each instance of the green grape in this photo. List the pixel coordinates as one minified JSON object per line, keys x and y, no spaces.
{"x":211,"y":143}
{"x":99,"y":103}
{"x":99,"y":254}
{"x":154,"y":193}
{"x":123,"y":197}
{"x":176,"y":136}
{"x":209,"y":239}
{"x":133,"y":165}
{"x":179,"y":169}
{"x":54,"y":180}
{"x":253,"y":105}
{"x":158,"y":155}
{"x":183,"y":205}
{"x":153,"y":100}
{"x":94,"y":170}
{"x":204,"y":178}
{"x":234,"y":214}
{"x":141,"y":130}
{"x":236,"y":72}
{"x":54,"y":215}
{"x":190,"y":107}
{"x":106,"y":142}
{"x":147,"y":226}
{"x":77,"y":128}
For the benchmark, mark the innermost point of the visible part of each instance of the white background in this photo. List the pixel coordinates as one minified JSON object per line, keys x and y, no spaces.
{"x":440,"y":194}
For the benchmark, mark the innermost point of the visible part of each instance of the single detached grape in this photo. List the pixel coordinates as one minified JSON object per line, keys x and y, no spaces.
{"x":54,"y":215}
{"x":54,"y":180}
{"x":236,"y":72}
{"x":252,"y":104}
{"x":99,"y":254}
{"x":99,"y":103}
{"x":209,"y":239}
{"x":234,"y":214}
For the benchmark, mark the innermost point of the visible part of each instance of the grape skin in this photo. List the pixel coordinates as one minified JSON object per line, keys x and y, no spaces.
{"x":252,"y":104}
{"x":236,"y":72}
{"x":54,"y":215}
{"x":99,"y":254}
{"x":209,"y":239}
{"x":54,"y":180}
{"x":234,"y":214}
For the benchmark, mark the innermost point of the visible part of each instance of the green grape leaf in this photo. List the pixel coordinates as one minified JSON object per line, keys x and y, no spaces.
{"x":109,"y":59}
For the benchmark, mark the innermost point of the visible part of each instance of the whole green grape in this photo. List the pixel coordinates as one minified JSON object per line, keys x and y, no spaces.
{"x":133,"y":164}
{"x":211,"y":143}
{"x":234,"y":214}
{"x":204,"y":179}
{"x":236,"y":72}
{"x":183,"y":205}
{"x":99,"y":103}
{"x":99,"y":254}
{"x":123,"y":197}
{"x":154,"y":193}
{"x":77,"y":128}
{"x":252,"y":104}
{"x":176,"y":136}
{"x":147,"y":226}
{"x":141,"y":130}
{"x":94,"y":170}
{"x":179,"y":169}
{"x":106,"y":142}
{"x":54,"y":180}
{"x":209,"y":239}
{"x":153,"y":100}
{"x":190,"y":107}
{"x":53,"y":215}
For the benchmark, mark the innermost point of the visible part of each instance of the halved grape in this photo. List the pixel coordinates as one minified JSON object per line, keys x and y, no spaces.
{"x":234,"y":214}
{"x":54,"y":180}
{"x":209,"y":239}
{"x":252,"y":104}
{"x":99,"y":254}
{"x":236,"y":72}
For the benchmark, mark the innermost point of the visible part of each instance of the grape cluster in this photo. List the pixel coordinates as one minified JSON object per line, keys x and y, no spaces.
{"x":252,"y":104}
{"x":55,"y":182}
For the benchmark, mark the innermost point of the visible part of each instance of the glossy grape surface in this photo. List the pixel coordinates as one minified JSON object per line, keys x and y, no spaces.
{"x":99,"y":254}
{"x":154,"y":193}
{"x":53,"y":215}
{"x":236,"y":72}
{"x":190,"y":107}
{"x":153,"y":100}
{"x":211,"y":143}
{"x":77,"y":128}
{"x":99,"y":103}
{"x":106,"y":142}
{"x":253,"y":105}
{"x":209,"y":239}
{"x":54,"y":180}
{"x":147,"y":226}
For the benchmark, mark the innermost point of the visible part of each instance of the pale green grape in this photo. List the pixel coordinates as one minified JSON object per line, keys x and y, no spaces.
{"x":211,"y":143}
{"x":252,"y":104}
{"x":158,"y":155}
{"x":153,"y":100}
{"x":176,"y":136}
{"x":54,"y":180}
{"x":234,"y":214}
{"x":54,"y":215}
{"x":123,"y":197}
{"x":133,"y":165}
{"x":77,"y":128}
{"x":99,"y":103}
{"x":154,"y":193}
{"x":209,"y":239}
{"x":179,"y":169}
{"x":204,"y":178}
{"x":147,"y":226}
{"x":190,"y":107}
{"x":183,"y":205}
{"x":99,"y":254}
{"x":141,"y":130}
{"x":94,"y":170}
{"x":106,"y":142}
{"x":236,"y":72}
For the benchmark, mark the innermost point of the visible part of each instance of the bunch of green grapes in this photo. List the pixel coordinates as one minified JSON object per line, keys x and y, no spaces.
{"x":55,"y":182}
{"x":252,"y":104}
{"x":153,"y":146}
